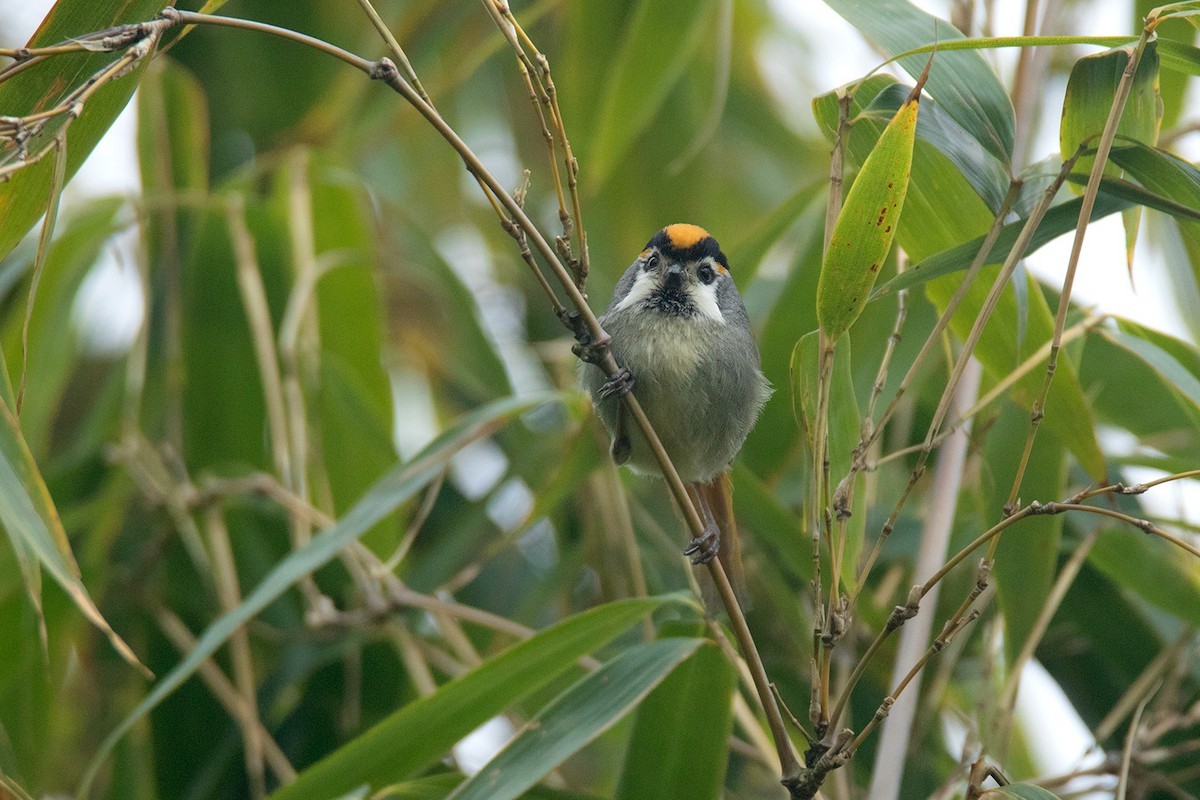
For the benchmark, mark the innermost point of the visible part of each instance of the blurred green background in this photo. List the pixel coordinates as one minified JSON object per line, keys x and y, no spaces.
{"x":380,"y":300}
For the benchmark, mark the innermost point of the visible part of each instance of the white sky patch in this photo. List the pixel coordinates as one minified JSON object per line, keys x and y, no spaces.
{"x":413,"y":410}
{"x":501,"y":308}
{"x":1171,"y":501}
{"x":477,"y":747}
{"x":109,"y":309}
{"x":477,"y":468}
{"x":1058,"y":740}
{"x":509,"y":505}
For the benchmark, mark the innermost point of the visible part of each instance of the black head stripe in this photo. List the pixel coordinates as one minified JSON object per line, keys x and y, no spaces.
{"x":687,"y":243}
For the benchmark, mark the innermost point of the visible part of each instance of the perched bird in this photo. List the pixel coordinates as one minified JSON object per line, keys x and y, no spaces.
{"x":681,"y":335}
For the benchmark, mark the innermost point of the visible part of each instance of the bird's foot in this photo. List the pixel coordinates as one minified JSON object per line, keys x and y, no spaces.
{"x":589,"y":350}
{"x":704,"y":548}
{"x":619,"y":384}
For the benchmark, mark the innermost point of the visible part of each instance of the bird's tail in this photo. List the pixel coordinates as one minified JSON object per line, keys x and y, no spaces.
{"x":715,"y":501}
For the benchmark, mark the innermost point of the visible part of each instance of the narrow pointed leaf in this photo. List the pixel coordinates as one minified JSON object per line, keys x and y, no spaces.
{"x":867,"y":223}
{"x":28,"y":514}
{"x":25,"y":196}
{"x":680,"y":740}
{"x":390,"y":752}
{"x":394,"y":488}
{"x":844,"y":428}
{"x":1090,"y":92}
{"x":1019,"y":791}
{"x":1067,"y":414}
{"x":961,"y":81}
{"x":1058,"y":220}
{"x":660,"y":38}
{"x":575,"y":718}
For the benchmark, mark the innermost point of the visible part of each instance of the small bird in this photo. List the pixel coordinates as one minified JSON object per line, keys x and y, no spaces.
{"x":681,"y":335}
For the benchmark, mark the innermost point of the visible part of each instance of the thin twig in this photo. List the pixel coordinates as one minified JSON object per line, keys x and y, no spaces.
{"x":39,"y":261}
{"x":1085,"y":215}
{"x":1127,"y":750}
{"x":227,"y":695}
{"x":229,"y":595}
{"x":1066,"y":577}
{"x":989,"y":306}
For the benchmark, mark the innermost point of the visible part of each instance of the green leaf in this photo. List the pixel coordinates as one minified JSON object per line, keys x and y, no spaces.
{"x":1091,"y":90}
{"x":1019,"y":791}
{"x":1178,"y":181}
{"x":1179,"y":57}
{"x":987,"y":175}
{"x":866,"y":223}
{"x":680,"y":744}
{"x":394,"y":488}
{"x":1067,"y":414}
{"x":53,"y":338}
{"x":354,"y":406}
{"x":576,"y":717}
{"x":962,"y":82}
{"x":1127,"y":190}
{"x":942,"y":208}
{"x":437,"y":787}
{"x":770,"y":521}
{"x":1156,"y":570}
{"x":1175,"y":361}
{"x":844,"y":429}
{"x":1089,"y":98}
{"x":661,"y":38}
{"x":389,"y":752}
{"x":1157,"y":414}
{"x":31,"y":521}
{"x":173,"y":144}
{"x":1058,"y":220}
{"x":26,"y":195}
{"x":792,"y":314}
{"x":1027,"y":555}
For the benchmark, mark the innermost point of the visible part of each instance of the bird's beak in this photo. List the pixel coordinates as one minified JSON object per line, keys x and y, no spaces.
{"x":673,"y":281}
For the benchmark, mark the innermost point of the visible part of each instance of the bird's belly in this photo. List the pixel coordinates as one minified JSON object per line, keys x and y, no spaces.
{"x":681,"y":398}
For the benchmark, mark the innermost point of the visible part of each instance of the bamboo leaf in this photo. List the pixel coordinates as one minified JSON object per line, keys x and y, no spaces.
{"x":1166,"y":356}
{"x":1153,"y":569}
{"x":1058,"y":220}
{"x":844,"y":428}
{"x":388,"y":752}
{"x":943,"y":207}
{"x":25,"y":196}
{"x":660,"y":39}
{"x":28,"y":514}
{"x":961,"y":81}
{"x":1067,"y":414}
{"x":394,"y":488}
{"x":1089,"y":98}
{"x":867,"y":223}
{"x":576,"y":717}
{"x":680,"y":738}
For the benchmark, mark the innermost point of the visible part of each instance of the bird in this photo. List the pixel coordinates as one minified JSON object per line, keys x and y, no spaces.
{"x":682,"y":339}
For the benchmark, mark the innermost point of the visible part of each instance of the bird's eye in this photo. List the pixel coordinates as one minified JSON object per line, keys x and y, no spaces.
{"x":650,"y":262}
{"x":706,"y":274}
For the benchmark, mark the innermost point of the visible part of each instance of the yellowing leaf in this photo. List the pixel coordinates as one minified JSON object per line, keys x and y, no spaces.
{"x":866,"y":225}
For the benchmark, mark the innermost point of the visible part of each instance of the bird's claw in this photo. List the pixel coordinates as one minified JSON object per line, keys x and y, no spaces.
{"x":704,"y":548}
{"x":588,"y":350}
{"x":619,"y":384}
